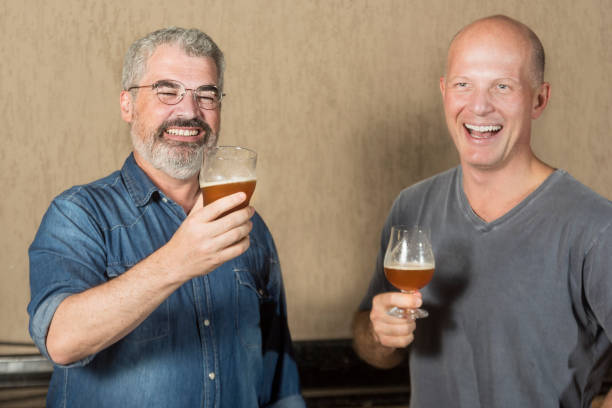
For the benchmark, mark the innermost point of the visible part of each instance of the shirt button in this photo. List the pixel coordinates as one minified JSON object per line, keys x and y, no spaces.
{"x":211,"y":376}
{"x":261,"y":292}
{"x":165,"y":200}
{"x":206,"y":322}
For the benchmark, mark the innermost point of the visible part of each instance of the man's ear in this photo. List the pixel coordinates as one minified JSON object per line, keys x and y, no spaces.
{"x":540,"y":100}
{"x":126,"y":103}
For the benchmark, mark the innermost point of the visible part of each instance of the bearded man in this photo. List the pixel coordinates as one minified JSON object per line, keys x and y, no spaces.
{"x":140,"y":294}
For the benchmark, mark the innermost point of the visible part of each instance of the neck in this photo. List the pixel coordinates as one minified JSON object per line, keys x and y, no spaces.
{"x":493,"y":192}
{"x":183,"y":192}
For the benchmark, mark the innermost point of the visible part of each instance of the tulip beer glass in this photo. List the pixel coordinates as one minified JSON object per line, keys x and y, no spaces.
{"x":227,"y":170}
{"x":409,"y":264}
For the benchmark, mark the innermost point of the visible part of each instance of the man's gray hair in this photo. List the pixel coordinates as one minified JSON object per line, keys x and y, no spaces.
{"x":194,"y":42}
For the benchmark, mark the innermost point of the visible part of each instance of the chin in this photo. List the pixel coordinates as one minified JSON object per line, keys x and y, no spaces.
{"x":181,"y":173}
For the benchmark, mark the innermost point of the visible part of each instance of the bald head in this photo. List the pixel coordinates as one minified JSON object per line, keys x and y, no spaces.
{"x":498,"y":25}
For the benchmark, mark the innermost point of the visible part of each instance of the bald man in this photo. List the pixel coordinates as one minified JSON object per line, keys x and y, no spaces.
{"x":520,"y":312}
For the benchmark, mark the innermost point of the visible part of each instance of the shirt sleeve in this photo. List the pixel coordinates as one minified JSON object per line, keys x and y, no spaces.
{"x":597,"y":276}
{"x":66,"y":257}
{"x":378,"y":283}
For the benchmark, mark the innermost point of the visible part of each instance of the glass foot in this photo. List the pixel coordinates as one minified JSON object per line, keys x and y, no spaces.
{"x":410,"y":313}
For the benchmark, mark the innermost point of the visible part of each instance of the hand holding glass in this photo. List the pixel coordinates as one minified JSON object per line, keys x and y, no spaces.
{"x":409,"y":264}
{"x":227,"y":170}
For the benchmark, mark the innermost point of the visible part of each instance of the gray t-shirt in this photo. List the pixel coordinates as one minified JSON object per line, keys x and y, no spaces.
{"x":520,"y":309}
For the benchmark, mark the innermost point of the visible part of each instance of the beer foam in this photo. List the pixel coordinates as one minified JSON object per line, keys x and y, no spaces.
{"x":410,"y":266}
{"x":230,"y":181}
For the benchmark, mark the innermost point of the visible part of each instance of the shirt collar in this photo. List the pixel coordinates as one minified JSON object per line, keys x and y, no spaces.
{"x":139,"y":185}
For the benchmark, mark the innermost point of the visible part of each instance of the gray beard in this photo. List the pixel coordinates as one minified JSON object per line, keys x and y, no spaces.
{"x":179,"y":160}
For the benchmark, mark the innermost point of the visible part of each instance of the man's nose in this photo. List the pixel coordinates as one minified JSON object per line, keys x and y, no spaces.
{"x":480,"y":102}
{"x":188,"y":106}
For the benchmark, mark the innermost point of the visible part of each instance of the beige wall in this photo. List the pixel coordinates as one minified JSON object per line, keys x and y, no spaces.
{"x":340,"y":98}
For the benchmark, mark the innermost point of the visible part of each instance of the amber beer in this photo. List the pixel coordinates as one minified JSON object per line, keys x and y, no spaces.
{"x":409,"y":277}
{"x":215,"y":190}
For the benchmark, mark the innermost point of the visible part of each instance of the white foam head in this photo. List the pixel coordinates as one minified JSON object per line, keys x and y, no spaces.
{"x":230,"y":181}
{"x":410,"y":266}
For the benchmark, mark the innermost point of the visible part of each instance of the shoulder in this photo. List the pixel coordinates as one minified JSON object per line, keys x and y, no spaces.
{"x":572,"y":197}
{"x":259,"y":225}
{"x":439,"y":182}
{"x":91,"y":203}
{"x":74,"y":220}
{"x":583,"y":214}
{"x":260,"y":230}
{"x":431,"y":189}
{"x":261,"y":237}
{"x":88,"y":194}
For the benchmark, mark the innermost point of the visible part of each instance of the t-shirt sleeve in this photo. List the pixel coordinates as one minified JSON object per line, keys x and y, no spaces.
{"x":378,"y":283}
{"x":67,"y":257}
{"x":597,"y":276}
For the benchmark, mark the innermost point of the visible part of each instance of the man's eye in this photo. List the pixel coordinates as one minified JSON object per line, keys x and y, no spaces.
{"x":207,"y":96}
{"x":502,"y":86}
{"x":167,"y":91}
{"x":461,"y":84}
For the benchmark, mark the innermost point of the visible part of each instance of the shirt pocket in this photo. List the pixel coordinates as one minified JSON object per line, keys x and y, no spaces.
{"x":156,"y":325}
{"x":251,"y":298}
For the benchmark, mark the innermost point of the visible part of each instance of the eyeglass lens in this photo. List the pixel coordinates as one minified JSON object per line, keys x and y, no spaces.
{"x":172,"y":92}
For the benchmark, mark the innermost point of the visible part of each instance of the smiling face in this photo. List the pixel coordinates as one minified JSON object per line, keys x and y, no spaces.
{"x":490,"y":94}
{"x":172,"y":138}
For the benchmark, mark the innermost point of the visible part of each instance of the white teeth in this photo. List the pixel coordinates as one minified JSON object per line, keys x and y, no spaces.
{"x":182,"y":132}
{"x":484,"y":129}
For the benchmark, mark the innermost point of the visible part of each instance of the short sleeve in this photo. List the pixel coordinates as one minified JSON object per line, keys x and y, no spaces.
{"x":378,"y":283}
{"x":597,"y":276}
{"x":66,"y":257}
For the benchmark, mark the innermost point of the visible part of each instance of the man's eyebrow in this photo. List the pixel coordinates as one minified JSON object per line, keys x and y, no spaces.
{"x":166,"y":82}
{"x":208,"y":87}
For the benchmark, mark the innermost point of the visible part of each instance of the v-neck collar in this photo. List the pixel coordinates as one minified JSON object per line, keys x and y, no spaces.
{"x":484,"y":226}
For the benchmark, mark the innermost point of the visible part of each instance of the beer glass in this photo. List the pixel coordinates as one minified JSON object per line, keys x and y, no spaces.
{"x":409,"y":264}
{"x":227,"y":170}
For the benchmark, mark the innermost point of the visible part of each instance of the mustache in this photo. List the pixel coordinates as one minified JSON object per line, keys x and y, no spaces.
{"x":193,"y":122}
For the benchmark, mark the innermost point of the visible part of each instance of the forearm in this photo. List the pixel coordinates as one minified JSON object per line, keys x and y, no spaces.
{"x":88,"y":322}
{"x":368,"y":347}
{"x":607,"y":403}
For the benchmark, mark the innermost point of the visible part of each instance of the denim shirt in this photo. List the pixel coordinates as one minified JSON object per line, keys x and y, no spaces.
{"x":220,"y":340}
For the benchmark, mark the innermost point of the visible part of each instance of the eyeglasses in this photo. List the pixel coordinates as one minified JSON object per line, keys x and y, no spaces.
{"x":171,"y":92}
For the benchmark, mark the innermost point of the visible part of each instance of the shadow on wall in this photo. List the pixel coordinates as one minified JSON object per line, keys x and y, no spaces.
{"x":415,"y":148}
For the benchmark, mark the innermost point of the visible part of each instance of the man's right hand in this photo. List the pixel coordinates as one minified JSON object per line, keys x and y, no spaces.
{"x":392,"y":331}
{"x":204,"y":241}
{"x":381,"y":339}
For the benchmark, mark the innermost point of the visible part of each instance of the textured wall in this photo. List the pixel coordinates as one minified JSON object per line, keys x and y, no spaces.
{"x":339,"y":97}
